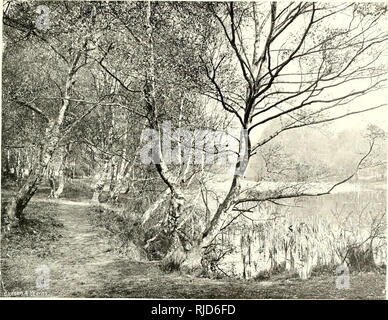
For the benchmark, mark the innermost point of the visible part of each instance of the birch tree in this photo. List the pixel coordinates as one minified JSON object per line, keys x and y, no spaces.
{"x":298,"y":65}
{"x":72,"y":54}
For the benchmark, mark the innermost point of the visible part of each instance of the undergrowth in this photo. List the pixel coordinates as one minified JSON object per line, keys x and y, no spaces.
{"x":36,"y":232}
{"x":123,"y":230}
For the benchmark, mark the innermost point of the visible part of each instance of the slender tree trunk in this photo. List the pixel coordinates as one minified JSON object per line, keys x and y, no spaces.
{"x":154,"y":206}
{"x":18,"y":169}
{"x":52,"y":137}
{"x":119,"y":182}
{"x":51,"y":180}
{"x":20,"y":200}
{"x":177,"y":197}
{"x":62,"y":169}
{"x":194,"y":256}
{"x":61,"y":183}
{"x":17,"y":204}
{"x":103,"y":176}
{"x":113,"y":178}
{"x":7,"y":166}
{"x":27,"y":167}
{"x":74,"y":167}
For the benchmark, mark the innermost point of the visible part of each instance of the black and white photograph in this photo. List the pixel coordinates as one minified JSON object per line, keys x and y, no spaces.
{"x":194,"y":150}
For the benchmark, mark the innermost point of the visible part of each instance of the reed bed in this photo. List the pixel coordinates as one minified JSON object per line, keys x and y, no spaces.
{"x":282,"y":241}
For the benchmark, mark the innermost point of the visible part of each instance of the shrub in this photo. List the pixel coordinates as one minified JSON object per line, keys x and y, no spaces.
{"x":124,"y":229}
{"x":360,"y":259}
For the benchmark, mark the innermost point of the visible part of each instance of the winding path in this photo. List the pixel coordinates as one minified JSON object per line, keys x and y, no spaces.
{"x":83,"y":264}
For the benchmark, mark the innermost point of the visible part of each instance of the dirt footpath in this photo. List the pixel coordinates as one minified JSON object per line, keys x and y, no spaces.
{"x":81,"y":263}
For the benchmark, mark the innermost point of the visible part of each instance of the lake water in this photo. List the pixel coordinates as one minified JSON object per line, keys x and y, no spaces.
{"x":305,"y":232}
